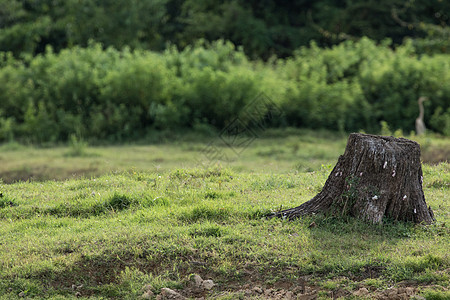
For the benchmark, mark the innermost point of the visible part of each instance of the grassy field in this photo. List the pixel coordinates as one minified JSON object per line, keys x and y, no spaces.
{"x":138,"y":218}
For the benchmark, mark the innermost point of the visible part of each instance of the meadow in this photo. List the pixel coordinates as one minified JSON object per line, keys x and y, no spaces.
{"x":114,"y":222}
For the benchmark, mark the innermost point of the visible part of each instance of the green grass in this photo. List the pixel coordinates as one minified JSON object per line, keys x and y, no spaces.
{"x":106,"y":237}
{"x":278,"y":151}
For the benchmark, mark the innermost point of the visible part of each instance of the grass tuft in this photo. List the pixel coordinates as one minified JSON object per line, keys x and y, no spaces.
{"x":6,"y":201}
{"x":209,"y":230}
{"x":203,"y":213}
{"x":119,"y":202}
{"x":431,"y":294}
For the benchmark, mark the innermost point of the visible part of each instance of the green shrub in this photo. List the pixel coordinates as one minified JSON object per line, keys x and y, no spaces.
{"x":441,"y":120}
{"x":218,"y":82}
{"x":115,"y":95}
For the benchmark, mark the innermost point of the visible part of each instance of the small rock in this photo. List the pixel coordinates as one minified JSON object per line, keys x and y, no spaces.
{"x":268,"y":292}
{"x":309,"y":296}
{"x":167,"y":293}
{"x":361,"y":292}
{"x":409,"y":291}
{"x":76,"y":287}
{"x":402,"y":296}
{"x":198,"y":281}
{"x":417,"y":297}
{"x":257,"y":290}
{"x":147,"y":295}
{"x":208,"y":284}
{"x":392,"y":293}
{"x":77,"y":294}
{"x":22,"y":294}
{"x":289,"y":295}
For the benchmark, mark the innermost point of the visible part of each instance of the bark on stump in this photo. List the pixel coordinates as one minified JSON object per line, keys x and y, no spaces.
{"x":376,"y":177}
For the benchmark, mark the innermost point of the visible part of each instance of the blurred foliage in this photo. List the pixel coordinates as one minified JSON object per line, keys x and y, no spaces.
{"x":29,"y":26}
{"x":115,"y":95}
{"x":263,"y":28}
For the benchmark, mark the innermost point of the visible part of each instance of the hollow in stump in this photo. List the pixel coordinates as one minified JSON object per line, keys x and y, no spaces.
{"x":377,"y":177}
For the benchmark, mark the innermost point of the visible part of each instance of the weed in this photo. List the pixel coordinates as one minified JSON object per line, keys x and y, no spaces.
{"x":348,"y":198}
{"x":157,"y":201}
{"x":213,"y":195}
{"x":374,"y":282}
{"x":77,"y":146}
{"x":385,"y":130}
{"x":330,"y":285}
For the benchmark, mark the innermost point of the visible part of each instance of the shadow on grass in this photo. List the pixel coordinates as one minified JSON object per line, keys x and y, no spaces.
{"x":355,"y":245}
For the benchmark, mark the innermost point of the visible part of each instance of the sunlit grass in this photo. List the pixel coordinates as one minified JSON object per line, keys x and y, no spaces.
{"x":115,"y":233}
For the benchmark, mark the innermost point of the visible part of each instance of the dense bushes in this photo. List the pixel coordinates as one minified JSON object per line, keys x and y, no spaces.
{"x":117,"y":95}
{"x":361,"y":84}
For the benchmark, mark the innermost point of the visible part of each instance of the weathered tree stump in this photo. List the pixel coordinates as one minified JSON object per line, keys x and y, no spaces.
{"x":376,"y":177}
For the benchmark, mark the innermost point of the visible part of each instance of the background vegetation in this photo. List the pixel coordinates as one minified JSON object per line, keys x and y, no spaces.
{"x":263,"y":28}
{"x":121,"y":70}
{"x":120,"y":95}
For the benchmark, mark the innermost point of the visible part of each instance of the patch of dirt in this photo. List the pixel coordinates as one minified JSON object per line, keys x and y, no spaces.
{"x":435,"y":155}
{"x":368,"y":272}
{"x":200,"y":289}
{"x":98,"y":271}
{"x":88,"y":274}
{"x":43,"y":173}
{"x":21,"y":175}
{"x":195,"y":289}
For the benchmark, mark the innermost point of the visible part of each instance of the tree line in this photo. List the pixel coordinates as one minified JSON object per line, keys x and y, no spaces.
{"x":264,"y":28}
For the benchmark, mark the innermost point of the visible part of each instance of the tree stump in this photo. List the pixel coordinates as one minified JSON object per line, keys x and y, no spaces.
{"x":376,"y":177}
